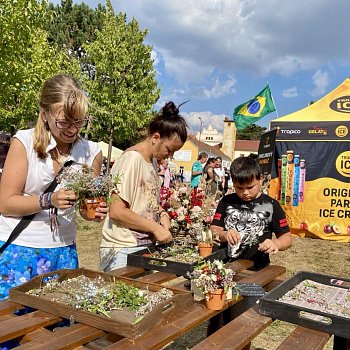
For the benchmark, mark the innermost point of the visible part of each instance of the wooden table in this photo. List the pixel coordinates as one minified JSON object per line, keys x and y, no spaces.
{"x":30,"y":329}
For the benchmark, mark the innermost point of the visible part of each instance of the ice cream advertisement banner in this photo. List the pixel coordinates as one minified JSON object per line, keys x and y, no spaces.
{"x":311,"y":182}
{"x":265,"y":157}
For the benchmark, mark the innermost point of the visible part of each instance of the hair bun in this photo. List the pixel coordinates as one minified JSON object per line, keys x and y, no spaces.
{"x":170,"y":109}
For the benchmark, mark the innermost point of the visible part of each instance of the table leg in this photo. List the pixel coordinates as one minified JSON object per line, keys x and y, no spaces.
{"x":341,"y":343}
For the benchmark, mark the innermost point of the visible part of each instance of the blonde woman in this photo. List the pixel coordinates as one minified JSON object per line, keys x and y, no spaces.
{"x":33,"y":161}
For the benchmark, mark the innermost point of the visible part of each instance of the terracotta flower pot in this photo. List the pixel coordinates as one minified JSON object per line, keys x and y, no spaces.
{"x":90,"y":205}
{"x":205,"y":249}
{"x":216,"y":300}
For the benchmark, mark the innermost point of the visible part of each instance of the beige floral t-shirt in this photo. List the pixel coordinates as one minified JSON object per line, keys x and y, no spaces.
{"x":139,"y":186}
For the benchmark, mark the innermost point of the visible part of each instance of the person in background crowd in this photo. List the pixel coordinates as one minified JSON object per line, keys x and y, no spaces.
{"x":227,"y":179}
{"x":34,"y":159}
{"x":164,"y":173}
{"x":135,"y":217}
{"x":209,"y":176}
{"x":219,"y":174}
{"x":197,"y":169}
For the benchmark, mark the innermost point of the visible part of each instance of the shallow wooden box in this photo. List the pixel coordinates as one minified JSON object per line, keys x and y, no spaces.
{"x":271,"y":306}
{"x":141,"y":259}
{"x":180,"y":300}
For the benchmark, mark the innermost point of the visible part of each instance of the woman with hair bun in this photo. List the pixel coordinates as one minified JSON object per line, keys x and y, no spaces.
{"x":135,"y":217}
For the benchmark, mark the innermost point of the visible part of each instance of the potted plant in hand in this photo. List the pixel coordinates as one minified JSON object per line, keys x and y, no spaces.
{"x":90,"y":190}
{"x":214,"y":281}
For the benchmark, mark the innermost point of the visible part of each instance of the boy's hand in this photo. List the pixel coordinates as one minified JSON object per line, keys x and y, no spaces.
{"x":269,"y":246}
{"x":233,"y":237}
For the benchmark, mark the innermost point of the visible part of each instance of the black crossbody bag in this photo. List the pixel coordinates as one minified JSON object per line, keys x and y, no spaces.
{"x":25,"y":221}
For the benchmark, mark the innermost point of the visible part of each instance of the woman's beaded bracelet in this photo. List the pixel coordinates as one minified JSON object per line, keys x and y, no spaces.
{"x":45,"y":200}
{"x":48,"y":200}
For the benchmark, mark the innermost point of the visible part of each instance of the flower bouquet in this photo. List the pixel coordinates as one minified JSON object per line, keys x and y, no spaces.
{"x":213,"y":281}
{"x":89,"y":189}
{"x":190,"y":212}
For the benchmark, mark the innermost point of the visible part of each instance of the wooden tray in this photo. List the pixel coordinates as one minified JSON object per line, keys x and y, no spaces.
{"x":140,"y":259}
{"x":180,"y":300}
{"x":306,"y":315}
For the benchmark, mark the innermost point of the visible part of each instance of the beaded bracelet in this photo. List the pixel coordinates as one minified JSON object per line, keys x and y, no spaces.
{"x":48,"y":200}
{"x":45,"y":200}
{"x":42,"y":206}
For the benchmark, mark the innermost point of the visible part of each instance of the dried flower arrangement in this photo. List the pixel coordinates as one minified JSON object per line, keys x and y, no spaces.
{"x":86,"y":185}
{"x":101,"y":297}
{"x":317,"y":296}
{"x":191,"y":212}
{"x":210,"y":276}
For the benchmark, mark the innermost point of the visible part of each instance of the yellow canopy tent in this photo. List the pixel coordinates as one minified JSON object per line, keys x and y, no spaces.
{"x":312,"y":166}
{"x":116,"y":152}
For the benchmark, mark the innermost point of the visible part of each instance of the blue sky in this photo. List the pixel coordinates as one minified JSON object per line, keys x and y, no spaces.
{"x":220,"y":53}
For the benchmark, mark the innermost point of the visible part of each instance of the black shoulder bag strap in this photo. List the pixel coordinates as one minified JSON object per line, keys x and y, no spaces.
{"x":25,"y":221}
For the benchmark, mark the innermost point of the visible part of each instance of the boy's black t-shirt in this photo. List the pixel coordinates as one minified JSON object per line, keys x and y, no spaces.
{"x":255,"y":221}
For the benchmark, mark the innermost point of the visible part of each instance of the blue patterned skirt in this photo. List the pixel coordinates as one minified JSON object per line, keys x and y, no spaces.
{"x":19,"y":264}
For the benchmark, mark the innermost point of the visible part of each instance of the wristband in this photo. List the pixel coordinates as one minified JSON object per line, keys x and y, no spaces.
{"x":48,"y":200}
{"x":42,"y":205}
{"x":45,"y":200}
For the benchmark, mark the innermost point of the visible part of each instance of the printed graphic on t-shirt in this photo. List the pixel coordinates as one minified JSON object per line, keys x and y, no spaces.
{"x":250,"y":223}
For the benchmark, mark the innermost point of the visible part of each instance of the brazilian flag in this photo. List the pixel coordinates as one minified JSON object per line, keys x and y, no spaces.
{"x":250,"y":112}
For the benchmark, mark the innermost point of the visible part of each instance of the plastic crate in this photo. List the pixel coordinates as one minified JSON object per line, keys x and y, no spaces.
{"x":306,"y":315}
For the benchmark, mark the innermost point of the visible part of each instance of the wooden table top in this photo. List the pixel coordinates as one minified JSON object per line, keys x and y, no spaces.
{"x":31,"y":328}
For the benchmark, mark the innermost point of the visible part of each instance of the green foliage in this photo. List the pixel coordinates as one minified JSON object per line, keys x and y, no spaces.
{"x":26,"y":60}
{"x":124,"y":86}
{"x":102,"y":50}
{"x":73,"y":26}
{"x":252,"y":132}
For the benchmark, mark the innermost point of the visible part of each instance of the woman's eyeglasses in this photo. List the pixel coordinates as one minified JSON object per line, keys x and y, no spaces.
{"x":64,"y":124}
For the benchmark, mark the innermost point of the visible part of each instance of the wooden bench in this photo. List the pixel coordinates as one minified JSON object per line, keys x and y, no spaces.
{"x":239,"y":333}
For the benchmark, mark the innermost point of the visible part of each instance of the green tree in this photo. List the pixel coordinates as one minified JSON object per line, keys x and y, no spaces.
{"x":124,"y":86}
{"x":26,"y":60}
{"x":252,"y":132}
{"x":73,"y":26}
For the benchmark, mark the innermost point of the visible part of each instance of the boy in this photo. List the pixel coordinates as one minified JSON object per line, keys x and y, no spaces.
{"x":246,"y":219}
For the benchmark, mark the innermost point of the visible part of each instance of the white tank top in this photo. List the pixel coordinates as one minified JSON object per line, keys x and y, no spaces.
{"x":40,"y":174}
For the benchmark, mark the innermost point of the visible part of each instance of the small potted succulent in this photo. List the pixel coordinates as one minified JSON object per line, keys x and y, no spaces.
{"x":214,"y":281}
{"x":90,"y":190}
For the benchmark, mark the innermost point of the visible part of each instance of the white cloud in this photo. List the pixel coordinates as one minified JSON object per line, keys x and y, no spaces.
{"x":290,"y":93}
{"x":155,"y":58}
{"x":194,"y":123}
{"x":199,"y":36}
{"x":220,"y":88}
{"x":321,"y":82}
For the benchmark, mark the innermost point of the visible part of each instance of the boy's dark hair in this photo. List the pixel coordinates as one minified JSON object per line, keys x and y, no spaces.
{"x":245,"y":170}
{"x":169,"y":122}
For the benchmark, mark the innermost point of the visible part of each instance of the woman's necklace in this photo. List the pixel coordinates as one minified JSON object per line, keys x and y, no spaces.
{"x":60,"y":156}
